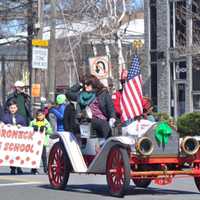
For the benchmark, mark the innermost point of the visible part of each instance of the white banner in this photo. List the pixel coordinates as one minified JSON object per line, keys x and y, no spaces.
{"x":20,"y":147}
{"x":40,"y":58}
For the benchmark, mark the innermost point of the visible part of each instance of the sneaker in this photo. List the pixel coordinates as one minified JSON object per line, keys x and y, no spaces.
{"x":12,"y":171}
{"x":34,"y":171}
{"x":19,"y":171}
{"x":45,"y":170}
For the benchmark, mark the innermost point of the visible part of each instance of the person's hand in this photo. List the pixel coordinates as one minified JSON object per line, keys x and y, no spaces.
{"x":35,"y":127}
{"x":112,"y":122}
{"x":49,"y":106}
{"x":42,"y":129}
{"x":19,"y":126}
{"x":81,"y":85}
{"x":1,"y":124}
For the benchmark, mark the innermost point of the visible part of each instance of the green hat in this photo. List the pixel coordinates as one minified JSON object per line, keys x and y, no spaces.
{"x":60,"y":99}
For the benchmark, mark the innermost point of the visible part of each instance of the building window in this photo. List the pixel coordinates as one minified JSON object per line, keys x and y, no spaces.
{"x":153,"y":50}
{"x":171,"y":7}
{"x":153,"y":24}
{"x":181,"y":98}
{"x":196,"y":102}
{"x":195,"y":80}
{"x":154,"y":83}
{"x":181,"y":70}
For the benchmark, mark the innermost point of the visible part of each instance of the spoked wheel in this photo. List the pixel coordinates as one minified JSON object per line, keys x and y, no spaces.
{"x":197,"y":182}
{"x":197,"y":178}
{"x":59,"y":166}
{"x":118,"y":171}
{"x":144,"y":183}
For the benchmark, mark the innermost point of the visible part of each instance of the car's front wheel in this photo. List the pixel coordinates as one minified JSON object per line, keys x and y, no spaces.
{"x":118,"y":171}
{"x":59,"y":166}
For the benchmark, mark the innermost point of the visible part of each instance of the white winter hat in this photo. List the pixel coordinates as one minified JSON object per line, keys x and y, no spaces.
{"x":19,"y":84}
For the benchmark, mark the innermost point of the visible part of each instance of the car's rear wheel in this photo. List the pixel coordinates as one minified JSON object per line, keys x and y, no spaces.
{"x":197,"y":182}
{"x":59,"y":166}
{"x":197,"y":178}
{"x":118,"y":171}
{"x":144,"y":183}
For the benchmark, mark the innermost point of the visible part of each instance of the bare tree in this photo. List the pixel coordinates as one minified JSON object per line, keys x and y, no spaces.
{"x":182,"y":12}
{"x":78,"y":22}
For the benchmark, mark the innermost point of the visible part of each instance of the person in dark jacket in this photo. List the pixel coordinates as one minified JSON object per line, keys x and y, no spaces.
{"x":73,"y":93}
{"x":23,"y":101}
{"x":69,"y":119}
{"x":1,"y":111}
{"x":14,"y":118}
{"x":96,"y":96}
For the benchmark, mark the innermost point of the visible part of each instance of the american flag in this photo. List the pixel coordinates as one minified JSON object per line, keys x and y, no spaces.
{"x":131,"y":101}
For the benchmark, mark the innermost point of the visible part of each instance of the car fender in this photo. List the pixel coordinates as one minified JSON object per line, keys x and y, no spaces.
{"x":72,"y":148}
{"x":98,"y":165}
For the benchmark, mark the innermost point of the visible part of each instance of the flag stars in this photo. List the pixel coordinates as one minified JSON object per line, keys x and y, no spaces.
{"x":135,"y":68}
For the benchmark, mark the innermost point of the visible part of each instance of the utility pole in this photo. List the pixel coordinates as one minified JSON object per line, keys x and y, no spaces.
{"x":40,"y":73}
{"x":29,"y":42}
{"x":52,"y":62}
{"x":3,"y":83}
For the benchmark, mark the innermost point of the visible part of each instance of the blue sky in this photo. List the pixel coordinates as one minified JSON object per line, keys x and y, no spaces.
{"x":138,"y":3}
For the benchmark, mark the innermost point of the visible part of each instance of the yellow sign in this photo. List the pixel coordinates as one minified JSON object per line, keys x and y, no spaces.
{"x":41,"y":43}
{"x":137,"y":44}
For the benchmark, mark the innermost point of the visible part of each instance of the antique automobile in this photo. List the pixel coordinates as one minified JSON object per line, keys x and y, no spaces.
{"x":158,"y":154}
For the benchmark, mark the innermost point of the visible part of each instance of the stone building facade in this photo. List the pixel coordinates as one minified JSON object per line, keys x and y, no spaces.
{"x":172,"y":55}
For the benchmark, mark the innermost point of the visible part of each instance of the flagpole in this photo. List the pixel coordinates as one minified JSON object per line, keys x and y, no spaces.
{"x":121,"y":61}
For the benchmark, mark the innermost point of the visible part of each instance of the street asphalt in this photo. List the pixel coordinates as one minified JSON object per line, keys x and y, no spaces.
{"x":36,"y":187}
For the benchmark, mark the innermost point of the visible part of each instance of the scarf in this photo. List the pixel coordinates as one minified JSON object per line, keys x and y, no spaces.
{"x":86,"y":98}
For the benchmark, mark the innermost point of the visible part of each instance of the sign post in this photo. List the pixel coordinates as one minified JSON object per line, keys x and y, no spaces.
{"x":99,"y":66}
{"x":40,"y":65}
{"x":40,"y":54}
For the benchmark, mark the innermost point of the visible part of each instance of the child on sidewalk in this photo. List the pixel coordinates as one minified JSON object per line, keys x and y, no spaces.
{"x":40,"y":123}
{"x":12,"y":117}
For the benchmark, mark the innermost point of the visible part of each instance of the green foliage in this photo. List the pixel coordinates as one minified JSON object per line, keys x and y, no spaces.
{"x":189,"y":124}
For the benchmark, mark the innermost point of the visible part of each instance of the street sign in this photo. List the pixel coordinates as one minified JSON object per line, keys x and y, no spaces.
{"x":99,"y":66}
{"x":40,"y":58}
{"x":41,"y":43}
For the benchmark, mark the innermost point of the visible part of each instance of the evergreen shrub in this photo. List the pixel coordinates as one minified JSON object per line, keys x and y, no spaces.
{"x":189,"y":124}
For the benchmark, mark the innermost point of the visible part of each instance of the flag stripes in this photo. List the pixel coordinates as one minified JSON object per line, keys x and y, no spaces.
{"x":131,"y":101}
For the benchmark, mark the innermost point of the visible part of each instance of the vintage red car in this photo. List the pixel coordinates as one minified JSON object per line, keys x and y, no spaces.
{"x":143,"y":159}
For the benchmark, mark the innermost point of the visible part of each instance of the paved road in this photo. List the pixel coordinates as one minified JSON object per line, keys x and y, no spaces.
{"x":36,"y":187}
